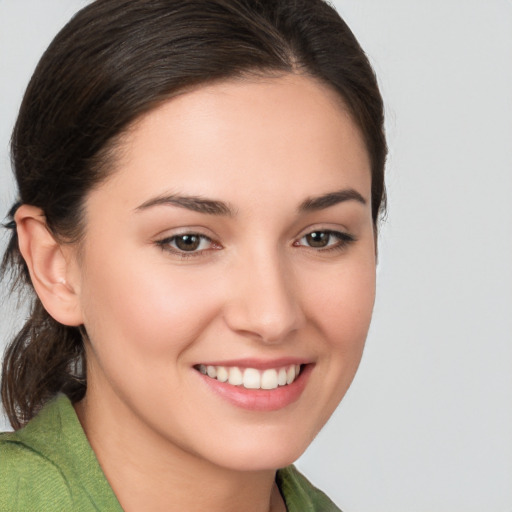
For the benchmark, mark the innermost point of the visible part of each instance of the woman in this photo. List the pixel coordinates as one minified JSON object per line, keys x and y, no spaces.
{"x":200,"y":185}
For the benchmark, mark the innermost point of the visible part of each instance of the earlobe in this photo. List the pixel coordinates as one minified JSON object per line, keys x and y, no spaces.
{"x":48,"y":266}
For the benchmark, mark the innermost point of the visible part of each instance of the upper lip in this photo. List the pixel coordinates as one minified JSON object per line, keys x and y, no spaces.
{"x":259,"y":364}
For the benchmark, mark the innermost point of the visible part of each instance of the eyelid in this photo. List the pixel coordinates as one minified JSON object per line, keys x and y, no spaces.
{"x":324,"y":227}
{"x":193,"y":229}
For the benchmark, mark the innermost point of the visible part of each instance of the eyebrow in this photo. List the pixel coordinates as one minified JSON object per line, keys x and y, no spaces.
{"x":194,"y":203}
{"x":330,"y":199}
{"x":215,"y":207}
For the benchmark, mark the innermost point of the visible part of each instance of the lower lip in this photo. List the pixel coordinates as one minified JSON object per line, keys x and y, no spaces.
{"x":261,"y":399}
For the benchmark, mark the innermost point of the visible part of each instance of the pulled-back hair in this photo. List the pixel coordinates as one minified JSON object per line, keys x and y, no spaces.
{"x":116,"y":60}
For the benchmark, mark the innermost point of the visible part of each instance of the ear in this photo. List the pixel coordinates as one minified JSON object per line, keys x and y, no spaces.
{"x":51,"y":265}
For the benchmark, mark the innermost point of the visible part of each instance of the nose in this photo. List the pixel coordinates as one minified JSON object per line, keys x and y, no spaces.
{"x":263,"y":301}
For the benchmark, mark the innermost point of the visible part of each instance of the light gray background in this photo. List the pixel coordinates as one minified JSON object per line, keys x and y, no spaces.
{"x":427,"y":424}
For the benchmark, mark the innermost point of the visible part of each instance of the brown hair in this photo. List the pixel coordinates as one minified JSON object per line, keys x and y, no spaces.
{"x":115,"y":60}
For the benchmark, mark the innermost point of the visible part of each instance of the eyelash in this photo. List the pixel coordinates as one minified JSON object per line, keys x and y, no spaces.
{"x":344,"y":239}
{"x":165,"y":245}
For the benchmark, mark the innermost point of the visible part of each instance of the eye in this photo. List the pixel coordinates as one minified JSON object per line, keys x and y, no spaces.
{"x":187,"y":243}
{"x":326,"y":239}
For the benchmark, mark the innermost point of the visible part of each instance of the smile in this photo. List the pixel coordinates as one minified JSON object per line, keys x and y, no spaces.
{"x":252,"y":378}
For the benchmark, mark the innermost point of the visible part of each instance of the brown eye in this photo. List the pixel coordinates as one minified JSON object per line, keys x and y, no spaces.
{"x":190,"y":244}
{"x":325,"y":240}
{"x":187,"y":242}
{"x":318,"y":239}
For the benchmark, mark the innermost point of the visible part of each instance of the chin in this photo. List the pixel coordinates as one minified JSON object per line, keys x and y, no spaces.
{"x":264,"y":454}
{"x":267,"y":461}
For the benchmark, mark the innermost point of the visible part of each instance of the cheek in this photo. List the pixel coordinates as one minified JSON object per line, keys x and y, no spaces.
{"x":340,"y":304}
{"x":343,"y":303}
{"x":147,"y":311}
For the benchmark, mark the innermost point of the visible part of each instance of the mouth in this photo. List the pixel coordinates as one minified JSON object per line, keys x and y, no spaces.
{"x":252,"y":378}
{"x":257,"y":386}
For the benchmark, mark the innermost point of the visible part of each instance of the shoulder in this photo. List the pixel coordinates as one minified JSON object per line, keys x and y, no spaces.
{"x":28,"y":479}
{"x":300,"y":494}
{"x":49,"y":465}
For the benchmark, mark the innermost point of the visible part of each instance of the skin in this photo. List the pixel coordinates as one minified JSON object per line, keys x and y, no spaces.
{"x":256,"y":290}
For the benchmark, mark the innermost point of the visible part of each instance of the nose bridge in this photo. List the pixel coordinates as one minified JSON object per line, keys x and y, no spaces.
{"x":264,"y":302}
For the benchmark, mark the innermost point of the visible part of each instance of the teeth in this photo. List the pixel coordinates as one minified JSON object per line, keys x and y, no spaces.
{"x":269,"y":379}
{"x":290,"y":375}
{"x":251,"y":378}
{"x":235,"y":376}
{"x":222,"y":374}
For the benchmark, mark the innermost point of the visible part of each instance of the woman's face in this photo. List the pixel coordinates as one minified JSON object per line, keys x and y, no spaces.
{"x":235,"y":238}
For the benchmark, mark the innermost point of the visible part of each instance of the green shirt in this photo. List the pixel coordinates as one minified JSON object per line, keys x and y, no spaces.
{"x":49,"y":466}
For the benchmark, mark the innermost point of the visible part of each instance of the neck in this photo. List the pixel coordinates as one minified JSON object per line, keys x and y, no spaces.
{"x":149,"y":472}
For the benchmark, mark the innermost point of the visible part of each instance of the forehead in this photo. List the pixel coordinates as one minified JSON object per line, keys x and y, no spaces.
{"x":244,"y":139}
